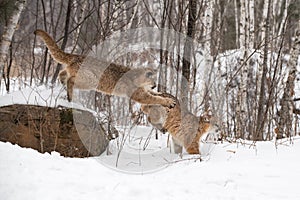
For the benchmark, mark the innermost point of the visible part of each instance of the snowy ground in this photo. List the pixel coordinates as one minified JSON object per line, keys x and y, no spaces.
{"x":232,"y":172}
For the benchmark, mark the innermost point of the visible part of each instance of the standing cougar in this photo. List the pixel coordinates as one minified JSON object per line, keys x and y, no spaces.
{"x":108,"y":78}
{"x":186,"y":129}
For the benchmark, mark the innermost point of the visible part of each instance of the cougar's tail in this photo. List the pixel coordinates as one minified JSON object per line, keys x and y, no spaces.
{"x":57,"y":54}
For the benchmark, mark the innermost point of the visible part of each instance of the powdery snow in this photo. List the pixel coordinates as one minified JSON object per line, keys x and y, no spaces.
{"x":234,"y":171}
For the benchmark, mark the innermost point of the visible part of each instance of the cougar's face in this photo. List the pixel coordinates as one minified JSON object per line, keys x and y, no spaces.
{"x":207,"y":123}
{"x":146,"y":78}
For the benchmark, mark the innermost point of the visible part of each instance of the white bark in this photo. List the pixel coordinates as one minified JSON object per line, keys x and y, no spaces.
{"x":236,"y":14}
{"x":251,"y":24}
{"x":220,"y":20}
{"x":282,"y":23}
{"x":246,"y":42}
{"x":262,"y":74}
{"x":277,"y":5}
{"x":286,"y":102}
{"x":8,"y":33}
{"x":242,"y":93}
{"x":262,"y":37}
{"x":135,"y":12}
{"x":208,"y":21}
{"x":242,"y":25}
{"x":207,"y":24}
{"x":264,"y":19}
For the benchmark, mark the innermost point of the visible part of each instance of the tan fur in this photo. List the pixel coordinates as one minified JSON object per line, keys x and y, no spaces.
{"x":156,"y":116}
{"x":186,"y":129}
{"x":108,"y":78}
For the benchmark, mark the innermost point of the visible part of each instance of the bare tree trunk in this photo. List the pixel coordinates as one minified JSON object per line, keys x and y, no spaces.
{"x":167,"y":54}
{"x":208,"y":24}
{"x":260,"y":121}
{"x":246,"y":42}
{"x":131,"y":23}
{"x":286,"y":102}
{"x":34,"y":42}
{"x":161,"y":75}
{"x":78,"y":21}
{"x":187,"y":53}
{"x":9,"y":64}
{"x":9,"y":32}
{"x":237,"y":19}
{"x":264,"y":20}
{"x":283,"y":20}
{"x":242,"y":24}
{"x":179,"y":27}
{"x":242,"y":93}
{"x":65,"y":39}
{"x":251,"y":24}
{"x":44,"y":67}
{"x":250,"y":99}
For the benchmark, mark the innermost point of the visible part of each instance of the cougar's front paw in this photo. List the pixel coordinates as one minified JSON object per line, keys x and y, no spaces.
{"x":171,"y":103}
{"x":163,"y":130}
{"x":69,"y":97}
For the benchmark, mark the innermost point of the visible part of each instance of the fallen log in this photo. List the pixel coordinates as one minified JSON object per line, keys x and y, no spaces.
{"x":48,"y":129}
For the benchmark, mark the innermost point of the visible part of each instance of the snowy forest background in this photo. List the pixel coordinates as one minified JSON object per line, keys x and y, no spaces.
{"x":251,"y":49}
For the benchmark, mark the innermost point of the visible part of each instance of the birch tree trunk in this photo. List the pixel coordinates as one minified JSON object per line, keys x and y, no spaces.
{"x":242,"y":25}
{"x":9,"y":32}
{"x":208,"y":21}
{"x":283,"y":21}
{"x":251,"y":24}
{"x":264,"y":19}
{"x":287,"y":104}
{"x":260,"y":120}
{"x":250,"y":84}
{"x":236,"y":15}
{"x":162,"y":72}
{"x":261,"y":67}
{"x":208,"y":24}
{"x":242,"y":93}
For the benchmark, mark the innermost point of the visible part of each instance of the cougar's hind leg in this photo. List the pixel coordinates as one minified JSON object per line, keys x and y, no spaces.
{"x":70,"y":86}
{"x":175,"y":147}
{"x":63,"y":76}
